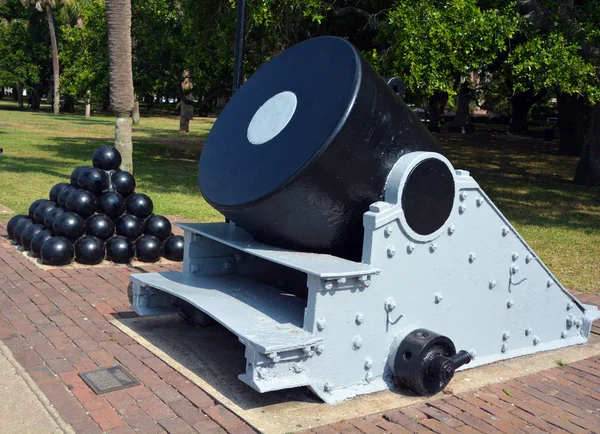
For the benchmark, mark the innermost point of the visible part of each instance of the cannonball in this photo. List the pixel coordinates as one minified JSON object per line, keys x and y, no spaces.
{"x":42,"y":209}
{"x":33,"y":207}
{"x":51,"y":216}
{"x":148,"y":248}
{"x":37,"y":241}
{"x":129,"y":226}
{"x":106,"y":158}
{"x":173,"y":248}
{"x":82,"y":202}
{"x":100,"y":226}
{"x":57,"y":251}
{"x":89,"y":250}
{"x":55,"y":191}
{"x":64,"y":195}
{"x":69,"y":225}
{"x":93,"y":179}
{"x":75,"y":174}
{"x":139,"y":205}
{"x":124,"y":182}
{"x":120,"y":250}
{"x":20,"y":227}
{"x":10,"y":227}
{"x":112,"y":204}
{"x":28,"y":233}
{"x":159,"y":226}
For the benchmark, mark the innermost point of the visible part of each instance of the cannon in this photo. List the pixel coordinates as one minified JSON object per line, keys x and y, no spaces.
{"x":355,"y":257}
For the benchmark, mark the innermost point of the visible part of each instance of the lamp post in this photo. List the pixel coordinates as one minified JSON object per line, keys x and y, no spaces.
{"x":239,"y":46}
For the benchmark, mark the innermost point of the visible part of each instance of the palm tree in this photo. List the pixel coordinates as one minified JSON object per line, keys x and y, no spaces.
{"x":118,"y":23}
{"x":46,"y":6}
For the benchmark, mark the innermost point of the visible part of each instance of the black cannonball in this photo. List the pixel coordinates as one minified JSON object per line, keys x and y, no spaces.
{"x":106,"y":158}
{"x":82,"y":202}
{"x":129,"y":226}
{"x":33,"y":207}
{"x":93,"y":179}
{"x":42,"y":209}
{"x":148,"y":248}
{"x":124,"y":182}
{"x":10,"y":227}
{"x":28,"y":233}
{"x":64,"y":195}
{"x":173,"y":248}
{"x":57,"y":251}
{"x":20,"y":227}
{"x":159,"y":226}
{"x":69,"y":225}
{"x":112,"y":204}
{"x":89,"y":250}
{"x":37,"y":241}
{"x":139,"y":205}
{"x":55,"y":191}
{"x":100,"y":226}
{"x":75,"y":174}
{"x":51,"y":216}
{"x":120,"y":250}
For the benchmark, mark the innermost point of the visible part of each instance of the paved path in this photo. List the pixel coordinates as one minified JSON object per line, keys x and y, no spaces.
{"x":56,"y":324}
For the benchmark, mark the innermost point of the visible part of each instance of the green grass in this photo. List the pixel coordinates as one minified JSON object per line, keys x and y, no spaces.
{"x":523,"y":176}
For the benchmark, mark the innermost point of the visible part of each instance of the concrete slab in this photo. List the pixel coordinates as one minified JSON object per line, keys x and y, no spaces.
{"x":211,"y":357}
{"x":23,"y":407}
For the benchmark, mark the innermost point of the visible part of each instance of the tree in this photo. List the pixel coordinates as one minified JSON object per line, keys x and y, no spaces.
{"x":433,"y":45}
{"x":118,"y":23}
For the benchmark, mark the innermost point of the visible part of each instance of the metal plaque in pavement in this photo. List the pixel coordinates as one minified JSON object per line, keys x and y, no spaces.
{"x":108,"y":379}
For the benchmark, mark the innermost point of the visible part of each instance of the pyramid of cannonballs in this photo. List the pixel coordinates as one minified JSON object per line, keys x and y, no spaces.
{"x":97,"y":216}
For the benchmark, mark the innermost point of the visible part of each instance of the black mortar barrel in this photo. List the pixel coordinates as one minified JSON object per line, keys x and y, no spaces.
{"x":305,"y":146}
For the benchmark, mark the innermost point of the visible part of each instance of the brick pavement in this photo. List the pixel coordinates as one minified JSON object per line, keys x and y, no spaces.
{"x":56,"y":323}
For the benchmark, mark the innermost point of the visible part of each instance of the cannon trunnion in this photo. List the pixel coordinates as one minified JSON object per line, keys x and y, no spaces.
{"x":343,"y":276}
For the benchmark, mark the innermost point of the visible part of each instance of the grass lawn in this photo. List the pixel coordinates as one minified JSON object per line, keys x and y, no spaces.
{"x":524,"y":177}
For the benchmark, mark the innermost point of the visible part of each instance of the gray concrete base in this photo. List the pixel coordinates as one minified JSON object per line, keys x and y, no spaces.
{"x":212,"y":358}
{"x":24,"y":408}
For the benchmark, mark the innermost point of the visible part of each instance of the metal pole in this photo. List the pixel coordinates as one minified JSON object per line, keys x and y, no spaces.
{"x":239,"y":46}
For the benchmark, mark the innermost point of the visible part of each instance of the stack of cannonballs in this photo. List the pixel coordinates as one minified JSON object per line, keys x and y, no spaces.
{"x":97,"y":216}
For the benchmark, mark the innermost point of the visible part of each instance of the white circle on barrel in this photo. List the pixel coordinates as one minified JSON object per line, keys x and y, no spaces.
{"x":272,"y":117}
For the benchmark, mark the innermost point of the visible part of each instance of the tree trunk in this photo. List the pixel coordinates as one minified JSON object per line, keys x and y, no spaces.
{"x":460,"y":121}
{"x":573,"y":123}
{"x":437,"y":105}
{"x":118,"y":22}
{"x":135,"y":114}
{"x":69,"y":104}
{"x":588,"y":169}
{"x":186,"y":113}
{"x":88,"y":104}
{"x":521,"y":104}
{"x":55,"y":66}
{"x":20,"y":96}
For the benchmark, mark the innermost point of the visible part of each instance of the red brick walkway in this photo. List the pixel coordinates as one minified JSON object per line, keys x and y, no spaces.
{"x":56,"y":323}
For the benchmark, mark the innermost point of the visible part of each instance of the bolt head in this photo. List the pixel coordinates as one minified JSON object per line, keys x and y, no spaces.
{"x":432,"y":247}
{"x":410,"y":248}
{"x":505,"y":231}
{"x":462,"y":208}
{"x":369,"y":377}
{"x":319,"y":349}
{"x":388,"y":231}
{"x":367,"y":282}
{"x":505,"y":336}
{"x":391,"y":251}
{"x":451,"y":229}
{"x":463,"y":195}
{"x":563,"y":334}
{"x":327,"y":386}
{"x":510,"y":303}
{"x":515,"y":256}
{"x":549,"y":283}
{"x":341,"y":280}
{"x":297,"y":367}
{"x":262,"y":372}
{"x":492,"y":283}
{"x":536,"y":340}
{"x":368,"y":363}
{"x":570,"y":321}
{"x":479,"y":201}
{"x":390,"y":304}
{"x":438,"y":297}
{"x":514,"y":269}
{"x":356,"y":342}
{"x":321,"y":324}
{"x":473,"y":353}
{"x":328,"y":286}
{"x":569,"y":306}
{"x":504,"y":348}
{"x":528,"y":259}
{"x":360,"y":318}
{"x":528,"y":331}
{"x":472,"y":257}
{"x":227,"y":266}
